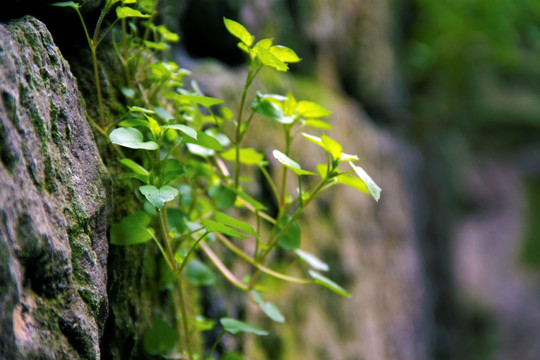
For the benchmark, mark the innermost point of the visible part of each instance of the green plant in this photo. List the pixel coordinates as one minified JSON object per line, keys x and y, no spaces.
{"x":180,"y":142}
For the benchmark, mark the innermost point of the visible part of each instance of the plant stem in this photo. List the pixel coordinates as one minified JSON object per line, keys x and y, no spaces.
{"x":216,"y":343}
{"x":98,"y":87}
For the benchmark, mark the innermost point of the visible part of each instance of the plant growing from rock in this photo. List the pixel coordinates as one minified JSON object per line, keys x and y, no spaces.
{"x":181,"y":145}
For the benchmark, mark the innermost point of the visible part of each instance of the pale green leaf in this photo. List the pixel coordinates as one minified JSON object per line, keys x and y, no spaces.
{"x":126,"y":12}
{"x":234,"y":327}
{"x":248,"y":156}
{"x":131,"y":230}
{"x":140,"y":109}
{"x":239,"y":31}
{"x":290,"y":164}
{"x":131,"y":138}
{"x":324,"y":281}
{"x":205,"y":101}
{"x":214,"y":226}
{"x":234,"y":223}
{"x":312,"y":260}
{"x":198,"y":274}
{"x":269,"y":59}
{"x":204,"y":140}
{"x":353,"y":182}
{"x":285,"y":54}
{"x":268,"y":308}
{"x":134,"y":122}
{"x":158,"y":197}
{"x":334,"y":148}
{"x":348,"y":157}
{"x":373,"y":188}
{"x":183,"y":128}
{"x":70,"y":4}
{"x":292,"y":237}
{"x":318,"y":124}
{"x":309,"y":109}
{"x":132,"y":165}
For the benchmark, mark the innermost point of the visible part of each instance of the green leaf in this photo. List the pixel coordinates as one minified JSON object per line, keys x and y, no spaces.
{"x":318,"y":124}
{"x":309,"y":109}
{"x":314,"y":139}
{"x":159,"y":338}
{"x":222,"y":196}
{"x":266,"y":107}
{"x":234,"y":327}
{"x":129,"y":93}
{"x":203,"y":324}
{"x":268,"y":308}
{"x":353,"y":182}
{"x":348,"y":157}
{"x":204,"y":140}
{"x":269,"y":59}
{"x":70,"y":4}
{"x":199,"y":274}
{"x":134,"y":122}
{"x":131,"y":230}
{"x":167,"y":35}
{"x":158,"y":197}
{"x":163,"y":113}
{"x":155,"y":45}
{"x":234,"y":223}
{"x":132,"y":165}
{"x":183,"y":128}
{"x":248,"y":156}
{"x":373,"y":188}
{"x":239,"y":31}
{"x":291,"y":239}
{"x":154,"y":126}
{"x":290,"y":164}
{"x":205,"y":101}
{"x":241,"y":194}
{"x":125,"y":12}
{"x":312,"y":260}
{"x":131,"y":138}
{"x":213,"y":226}
{"x":334,"y":148}
{"x":140,"y":109}
{"x":327,"y":283}
{"x":285,"y":54}
{"x":171,"y":169}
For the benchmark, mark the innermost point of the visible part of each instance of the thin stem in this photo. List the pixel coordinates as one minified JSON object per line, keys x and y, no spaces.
{"x":238,"y":130}
{"x":271,"y":183}
{"x":191,"y":249}
{"x":222,"y":268}
{"x":216,"y":343}
{"x":98,"y":87}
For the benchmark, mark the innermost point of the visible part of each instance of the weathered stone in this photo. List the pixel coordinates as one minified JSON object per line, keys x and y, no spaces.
{"x":56,"y":202}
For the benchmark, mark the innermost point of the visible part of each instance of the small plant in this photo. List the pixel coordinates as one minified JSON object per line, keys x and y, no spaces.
{"x":180,"y":144}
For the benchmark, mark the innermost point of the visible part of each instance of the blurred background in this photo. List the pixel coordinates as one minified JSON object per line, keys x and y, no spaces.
{"x":441,"y":100}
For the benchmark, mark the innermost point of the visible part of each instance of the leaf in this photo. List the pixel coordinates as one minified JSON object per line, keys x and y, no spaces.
{"x":155,"y":45}
{"x":268,"y":308}
{"x":70,"y":4}
{"x":334,"y":148}
{"x":269,"y":59}
{"x":222,"y":196}
{"x":199,"y":274}
{"x":291,"y":239}
{"x":183,"y":128}
{"x":131,"y":230}
{"x":140,"y":109}
{"x":171,"y":169}
{"x":234,"y":327}
{"x":248,"y":156}
{"x":153,"y":125}
{"x":159,"y":338}
{"x":131,"y":138}
{"x":129,"y":93}
{"x":314,"y":139}
{"x":204,"y":140}
{"x":312,"y":260}
{"x":327,"y":283}
{"x":163,"y":113}
{"x":213,"y":226}
{"x":353,"y":182}
{"x":239,"y":31}
{"x":134,"y":122}
{"x":203,"y":324}
{"x":373,"y":188}
{"x":241,"y":194}
{"x":266,"y":107}
{"x":309,"y":109}
{"x":285,"y":54}
{"x":290,"y":164}
{"x":234,"y":223}
{"x":348,"y":157}
{"x":205,"y":101}
{"x":318,"y":124}
{"x":125,"y":12}
{"x":158,"y":197}
{"x":132,"y":165}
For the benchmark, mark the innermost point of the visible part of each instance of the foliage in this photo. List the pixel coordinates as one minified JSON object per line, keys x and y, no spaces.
{"x":178,"y":142}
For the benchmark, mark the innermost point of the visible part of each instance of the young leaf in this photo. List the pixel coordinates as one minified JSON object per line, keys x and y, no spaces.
{"x":159,"y":338}
{"x":234,"y":223}
{"x":239,"y":31}
{"x":291,"y":239}
{"x":205,"y":101}
{"x":373,"y":188}
{"x":212,"y":226}
{"x":309,"y":109}
{"x":171,"y":169}
{"x":158,"y":197}
{"x":268,"y":308}
{"x":285,"y":54}
{"x":327,"y":283}
{"x":70,"y":4}
{"x":290,"y":164}
{"x":334,"y":148}
{"x":131,"y":138}
{"x":163,"y":113}
{"x":203,"y":324}
{"x":318,"y":124}
{"x":248,"y":156}
{"x":183,"y":128}
{"x":312,"y":260}
{"x":134,"y":122}
{"x":266,"y":107}
{"x":132,"y":165}
{"x":269,"y":59}
{"x":131,"y":230}
{"x":348,"y":157}
{"x":154,"y":126}
{"x":199,"y":274}
{"x":241,"y":194}
{"x":125,"y":12}
{"x":140,"y":109}
{"x":204,"y":140}
{"x":234,"y":327}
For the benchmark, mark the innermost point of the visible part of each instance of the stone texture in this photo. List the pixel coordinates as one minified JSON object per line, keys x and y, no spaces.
{"x":56,"y":202}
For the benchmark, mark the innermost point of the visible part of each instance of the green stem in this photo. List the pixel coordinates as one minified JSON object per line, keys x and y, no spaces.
{"x":98,"y":87}
{"x":216,"y":343}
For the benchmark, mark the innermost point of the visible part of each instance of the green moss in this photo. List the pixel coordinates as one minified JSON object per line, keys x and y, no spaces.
{"x":91,"y":299}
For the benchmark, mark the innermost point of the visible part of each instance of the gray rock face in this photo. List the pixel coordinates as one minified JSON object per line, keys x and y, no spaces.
{"x":55,"y":205}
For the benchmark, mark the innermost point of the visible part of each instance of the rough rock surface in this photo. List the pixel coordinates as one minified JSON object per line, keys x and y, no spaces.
{"x":56,"y":200}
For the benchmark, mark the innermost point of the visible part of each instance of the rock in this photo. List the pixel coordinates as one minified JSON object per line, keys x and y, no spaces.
{"x":56,"y":203}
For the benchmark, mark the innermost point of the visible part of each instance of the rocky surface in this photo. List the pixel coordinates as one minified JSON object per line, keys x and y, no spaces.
{"x":56,"y":200}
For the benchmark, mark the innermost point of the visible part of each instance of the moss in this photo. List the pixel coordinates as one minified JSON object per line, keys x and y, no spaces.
{"x":53,"y":118}
{"x":91,"y":299}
